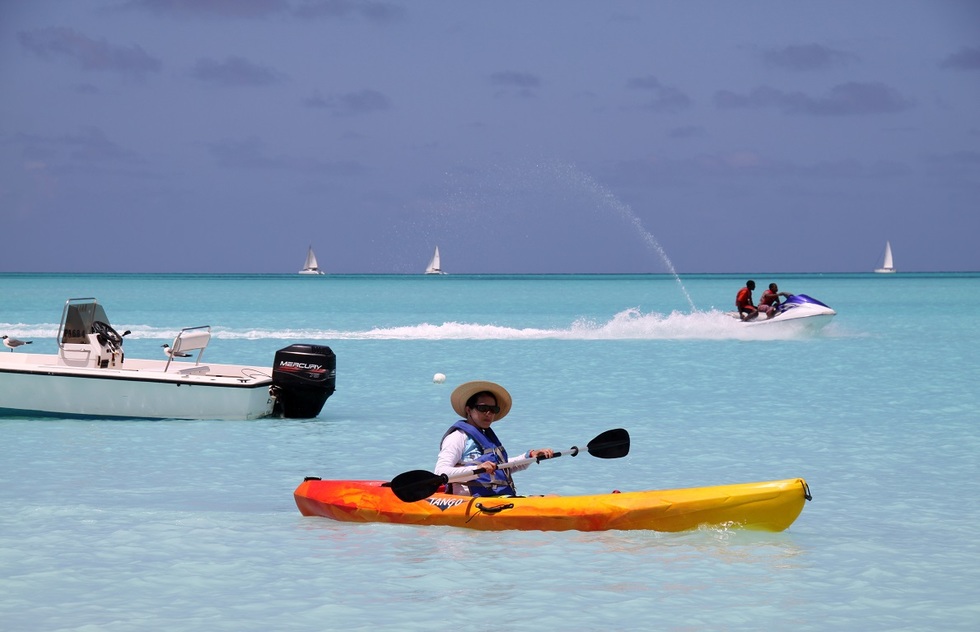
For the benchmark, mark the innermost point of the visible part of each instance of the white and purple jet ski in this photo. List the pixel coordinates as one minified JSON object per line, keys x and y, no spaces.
{"x":798,"y":308}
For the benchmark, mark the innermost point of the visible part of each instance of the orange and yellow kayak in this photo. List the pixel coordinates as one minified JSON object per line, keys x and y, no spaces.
{"x":765,"y":506}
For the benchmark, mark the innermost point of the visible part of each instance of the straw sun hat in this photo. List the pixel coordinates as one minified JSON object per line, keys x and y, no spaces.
{"x":465,"y":391}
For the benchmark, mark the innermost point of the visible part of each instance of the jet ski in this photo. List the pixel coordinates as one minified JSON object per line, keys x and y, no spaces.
{"x":798,"y":308}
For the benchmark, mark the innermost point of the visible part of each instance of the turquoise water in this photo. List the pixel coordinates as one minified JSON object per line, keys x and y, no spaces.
{"x":191,"y":525}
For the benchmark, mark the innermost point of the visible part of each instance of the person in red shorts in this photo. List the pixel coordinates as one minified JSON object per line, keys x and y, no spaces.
{"x":743,"y":302}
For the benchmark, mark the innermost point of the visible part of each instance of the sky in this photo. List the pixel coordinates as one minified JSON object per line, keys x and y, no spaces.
{"x":550,"y":136}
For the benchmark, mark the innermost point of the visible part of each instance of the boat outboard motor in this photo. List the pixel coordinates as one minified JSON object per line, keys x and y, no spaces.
{"x":303,"y":377}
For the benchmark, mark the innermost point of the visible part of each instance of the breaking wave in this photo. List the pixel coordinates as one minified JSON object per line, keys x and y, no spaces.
{"x":629,"y":324}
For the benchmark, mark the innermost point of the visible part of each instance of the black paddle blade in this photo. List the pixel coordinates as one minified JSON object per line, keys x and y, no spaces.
{"x":611,"y":444}
{"x":416,"y":485}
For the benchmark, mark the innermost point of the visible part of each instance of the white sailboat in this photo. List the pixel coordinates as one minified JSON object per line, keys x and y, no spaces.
{"x":887,"y":265}
{"x":311,"y":266}
{"x":435,"y":264}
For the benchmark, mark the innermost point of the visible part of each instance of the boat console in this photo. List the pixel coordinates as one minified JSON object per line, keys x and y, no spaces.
{"x":85,"y":337}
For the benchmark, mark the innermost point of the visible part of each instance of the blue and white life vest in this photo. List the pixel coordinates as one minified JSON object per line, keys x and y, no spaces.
{"x":499,"y":483}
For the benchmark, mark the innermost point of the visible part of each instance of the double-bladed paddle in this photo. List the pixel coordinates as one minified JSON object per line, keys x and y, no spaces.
{"x":420,"y":484}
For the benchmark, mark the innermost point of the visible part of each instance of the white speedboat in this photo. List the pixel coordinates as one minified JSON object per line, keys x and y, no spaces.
{"x":90,"y":376}
{"x":800,"y":309}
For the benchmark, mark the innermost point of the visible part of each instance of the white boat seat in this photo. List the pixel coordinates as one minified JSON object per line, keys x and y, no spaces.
{"x":188,"y":340}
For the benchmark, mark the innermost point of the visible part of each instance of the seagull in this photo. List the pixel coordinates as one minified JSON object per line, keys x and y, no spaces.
{"x":13,"y":343}
{"x":173,"y":354}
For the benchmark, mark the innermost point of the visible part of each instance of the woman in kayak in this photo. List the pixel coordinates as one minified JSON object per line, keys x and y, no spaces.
{"x":470,"y":443}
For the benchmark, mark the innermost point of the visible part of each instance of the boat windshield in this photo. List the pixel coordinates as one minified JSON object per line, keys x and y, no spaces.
{"x":78,"y":320}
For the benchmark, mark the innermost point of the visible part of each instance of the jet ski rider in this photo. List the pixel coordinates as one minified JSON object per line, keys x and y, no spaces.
{"x":743,"y":302}
{"x":769,"y":301}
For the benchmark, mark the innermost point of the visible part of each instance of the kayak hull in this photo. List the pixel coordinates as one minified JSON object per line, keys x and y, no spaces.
{"x":764,"y":506}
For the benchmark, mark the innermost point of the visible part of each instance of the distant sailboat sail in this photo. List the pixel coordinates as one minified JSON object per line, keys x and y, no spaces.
{"x":311,"y":266}
{"x":435,"y":265}
{"x":887,"y":265}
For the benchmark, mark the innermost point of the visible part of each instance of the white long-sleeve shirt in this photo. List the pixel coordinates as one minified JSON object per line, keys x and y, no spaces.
{"x":458,"y":447}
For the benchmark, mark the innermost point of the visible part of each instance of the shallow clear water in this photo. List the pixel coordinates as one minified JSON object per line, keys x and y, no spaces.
{"x":190,"y":525}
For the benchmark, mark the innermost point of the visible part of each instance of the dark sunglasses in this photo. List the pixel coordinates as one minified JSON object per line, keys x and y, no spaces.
{"x":487,"y":408}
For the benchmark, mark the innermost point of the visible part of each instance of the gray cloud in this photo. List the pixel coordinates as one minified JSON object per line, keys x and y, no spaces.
{"x":686,"y":131}
{"x":363,"y":102}
{"x":93,"y":145}
{"x":665,"y":98}
{"x":513,"y":79}
{"x":211,"y":8}
{"x":807,"y":57}
{"x":235,"y":71}
{"x":964,"y":59}
{"x":522,"y":84}
{"x":843,"y":100}
{"x":964,"y":158}
{"x":88,"y":146}
{"x":253,"y":154}
{"x":717,"y":167}
{"x":90,"y":54}
{"x":379,"y":12}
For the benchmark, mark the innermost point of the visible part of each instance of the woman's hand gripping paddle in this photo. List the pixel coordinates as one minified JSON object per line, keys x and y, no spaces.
{"x":420,"y":484}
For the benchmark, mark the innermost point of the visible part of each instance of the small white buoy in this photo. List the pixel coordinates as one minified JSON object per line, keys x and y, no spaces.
{"x":438,"y":378}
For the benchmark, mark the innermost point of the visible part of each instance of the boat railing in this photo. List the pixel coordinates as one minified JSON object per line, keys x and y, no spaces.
{"x":188,"y":340}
